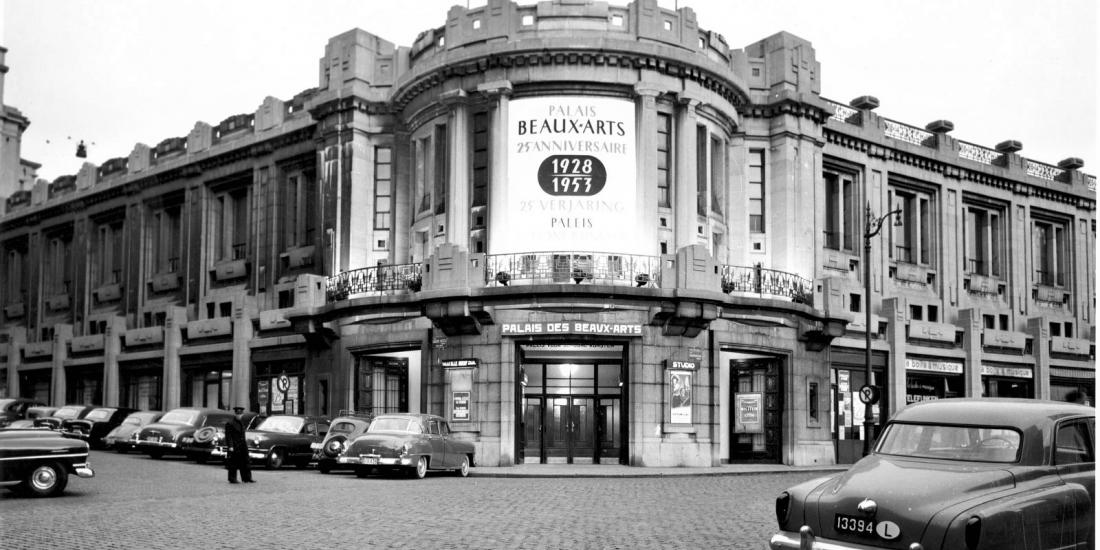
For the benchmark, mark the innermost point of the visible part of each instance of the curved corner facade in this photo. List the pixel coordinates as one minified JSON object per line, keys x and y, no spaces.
{"x":581,"y":233}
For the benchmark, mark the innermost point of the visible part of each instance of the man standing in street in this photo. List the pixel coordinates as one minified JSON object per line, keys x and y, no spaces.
{"x":237,"y":448}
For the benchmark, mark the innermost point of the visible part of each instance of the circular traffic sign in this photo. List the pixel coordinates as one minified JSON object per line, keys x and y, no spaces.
{"x":283,"y":383}
{"x":868,"y":394}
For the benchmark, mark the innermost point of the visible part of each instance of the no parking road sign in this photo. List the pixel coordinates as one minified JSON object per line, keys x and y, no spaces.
{"x":868,"y":394}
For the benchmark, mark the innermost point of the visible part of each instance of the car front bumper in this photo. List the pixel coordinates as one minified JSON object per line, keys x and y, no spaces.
{"x":805,"y":539}
{"x":161,"y":444}
{"x":376,"y":460}
{"x":83,"y":470}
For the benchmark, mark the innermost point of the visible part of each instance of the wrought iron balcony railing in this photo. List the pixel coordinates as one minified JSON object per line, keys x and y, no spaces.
{"x":757,"y":280}
{"x":376,"y":281}
{"x":575,"y":267}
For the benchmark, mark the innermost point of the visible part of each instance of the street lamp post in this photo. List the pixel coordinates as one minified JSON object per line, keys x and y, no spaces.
{"x":873,"y":224}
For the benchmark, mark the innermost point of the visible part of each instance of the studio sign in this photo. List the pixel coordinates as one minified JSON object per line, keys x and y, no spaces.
{"x":578,"y":175}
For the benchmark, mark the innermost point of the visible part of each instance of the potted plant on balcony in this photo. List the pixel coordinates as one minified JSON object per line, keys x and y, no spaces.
{"x":580,"y":275}
{"x":414,"y":282}
{"x":641,"y":279}
{"x":503,"y":277}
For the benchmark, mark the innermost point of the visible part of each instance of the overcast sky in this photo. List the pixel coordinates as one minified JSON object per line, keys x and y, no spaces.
{"x":119,"y":72}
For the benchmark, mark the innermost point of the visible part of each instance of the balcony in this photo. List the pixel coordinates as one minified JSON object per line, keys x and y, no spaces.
{"x":573,"y":267}
{"x":381,"y":280}
{"x":768,"y":283}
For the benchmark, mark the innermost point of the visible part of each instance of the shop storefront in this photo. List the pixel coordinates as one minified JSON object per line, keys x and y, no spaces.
{"x":1007,"y":380}
{"x":927,"y":379}
{"x":278,"y":381}
{"x":847,"y":374}
{"x":207,"y":385}
{"x":35,"y":384}
{"x":387,"y":382}
{"x":84,"y":384}
{"x":757,"y":429}
{"x":141,"y":385}
{"x":1064,"y":381}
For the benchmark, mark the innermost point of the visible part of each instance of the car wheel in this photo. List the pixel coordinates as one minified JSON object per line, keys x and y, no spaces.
{"x":121,"y":449}
{"x":421,"y":468}
{"x":275,"y":459}
{"x":464,"y":468}
{"x":200,"y":458}
{"x":323,"y":468}
{"x":302,"y":464}
{"x":362,"y":472}
{"x":156,"y":454}
{"x":46,"y":480}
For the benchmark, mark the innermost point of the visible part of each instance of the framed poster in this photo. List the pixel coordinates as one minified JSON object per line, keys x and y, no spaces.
{"x":460,"y":405}
{"x":680,"y":396}
{"x":748,"y":413}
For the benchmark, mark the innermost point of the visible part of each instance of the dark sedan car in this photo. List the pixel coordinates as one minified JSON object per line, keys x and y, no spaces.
{"x":967,"y":474}
{"x":414,"y":443}
{"x":165,"y":435}
{"x":124,"y":437}
{"x":95,"y":425}
{"x":67,"y":412}
{"x":284,"y":438}
{"x":342,"y":430}
{"x":33,"y":413}
{"x":37,"y":462}
{"x":203,"y":445}
{"x":15,"y":408}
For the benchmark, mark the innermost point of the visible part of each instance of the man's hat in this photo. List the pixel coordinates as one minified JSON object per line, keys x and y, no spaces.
{"x":238,"y":409}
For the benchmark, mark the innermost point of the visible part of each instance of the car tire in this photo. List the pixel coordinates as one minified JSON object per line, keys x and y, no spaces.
{"x":421,"y":468}
{"x":362,"y":471}
{"x":200,"y":458}
{"x":464,"y":468}
{"x":275,"y":459}
{"x":156,"y":454}
{"x":323,"y":468}
{"x":302,"y":464}
{"x":121,"y":449}
{"x":45,"y":480}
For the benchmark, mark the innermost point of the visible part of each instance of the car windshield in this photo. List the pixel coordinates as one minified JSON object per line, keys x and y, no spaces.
{"x":99,"y":414}
{"x":67,"y":412}
{"x":283,"y":424}
{"x":180,"y":417}
{"x":395,"y":425}
{"x":966,"y":443}
{"x":342,"y":428}
{"x":133,"y":419}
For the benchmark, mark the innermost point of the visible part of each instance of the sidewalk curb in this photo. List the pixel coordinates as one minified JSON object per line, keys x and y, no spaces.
{"x":641,"y":473}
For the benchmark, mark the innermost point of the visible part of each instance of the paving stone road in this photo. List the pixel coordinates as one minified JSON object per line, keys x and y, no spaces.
{"x":140,"y":503}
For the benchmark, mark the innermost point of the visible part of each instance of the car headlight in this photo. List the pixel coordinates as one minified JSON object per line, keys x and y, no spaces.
{"x":405,"y":449}
{"x":256,"y":441}
{"x":134,"y":436}
{"x":218,"y":437}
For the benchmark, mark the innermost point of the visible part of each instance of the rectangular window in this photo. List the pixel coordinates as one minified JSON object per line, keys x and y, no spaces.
{"x":13,"y":277}
{"x":718,"y":181}
{"x":840,"y":211}
{"x":383,"y":187}
{"x":420,"y":174}
{"x":1049,"y":253}
{"x":664,"y":159}
{"x":383,"y":385}
{"x":912,"y":242}
{"x":300,"y":200}
{"x":230,"y":213}
{"x":756,"y":190}
{"x":165,"y":240}
{"x":480,"y":161}
{"x":701,"y":170}
{"x":442,"y":170}
{"x":109,"y":254}
{"x":983,"y":240}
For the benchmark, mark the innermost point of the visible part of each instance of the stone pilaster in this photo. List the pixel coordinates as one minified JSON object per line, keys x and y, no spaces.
{"x":1039,"y":330}
{"x":174,"y":325}
{"x":971,"y":320}
{"x":498,"y":155}
{"x":685,"y":176}
{"x":458,"y":172}
{"x":242,"y":360}
{"x":62,"y":335}
{"x":646,"y":152}
{"x":112,"y":346}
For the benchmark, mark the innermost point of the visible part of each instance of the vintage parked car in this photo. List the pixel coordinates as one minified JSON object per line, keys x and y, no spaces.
{"x":67,"y":412}
{"x":340,"y":431}
{"x":33,"y":413}
{"x":282,"y":439}
{"x":165,"y":435}
{"x":95,"y":425}
{"x":15,"y":408}
{"x":957,"y":473}
{"x":414,"y":443}
{"x":201,"y":446}
{"x":124,"y":437}
{"x":37,"y":462}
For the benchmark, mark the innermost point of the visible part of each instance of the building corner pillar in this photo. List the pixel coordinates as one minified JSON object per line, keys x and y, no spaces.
{"x":242,"y":360}
{"x":174,"y":325}
{"x":112,"y":346}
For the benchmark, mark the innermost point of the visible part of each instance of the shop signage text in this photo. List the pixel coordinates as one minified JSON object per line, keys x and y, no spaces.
{"x":681,"y":365}
{"x":571,"y":327}
{"x":459,"y":363}
{"x":747,"y":413}
{"x":946,"y":367}
{"x":1013,"y":372}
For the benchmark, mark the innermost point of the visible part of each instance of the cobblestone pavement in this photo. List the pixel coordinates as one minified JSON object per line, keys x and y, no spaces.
{"x":137,"y":502}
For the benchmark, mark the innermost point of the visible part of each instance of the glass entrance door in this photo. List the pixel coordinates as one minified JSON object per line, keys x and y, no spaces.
{"x":572,"y":414}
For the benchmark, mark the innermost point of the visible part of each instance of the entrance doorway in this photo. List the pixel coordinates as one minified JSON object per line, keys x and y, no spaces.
{"x":757,"y":381}
{"x":572,"y":409}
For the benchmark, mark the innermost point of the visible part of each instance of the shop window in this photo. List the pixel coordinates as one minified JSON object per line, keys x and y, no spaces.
{"x":1049,"y":252}
{"x":383,"y":187}
{"x":840,"y":211}
{"x":912,"y":242}
{"x":664,"y":159}
{"x":983,"y":240}
{"x":756,"y":190}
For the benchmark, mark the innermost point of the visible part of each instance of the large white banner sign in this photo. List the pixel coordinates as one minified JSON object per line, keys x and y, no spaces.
{"x":571,"y":177}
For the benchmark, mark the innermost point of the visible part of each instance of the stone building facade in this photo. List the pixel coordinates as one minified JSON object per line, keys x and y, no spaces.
{"x":580,"y":232}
